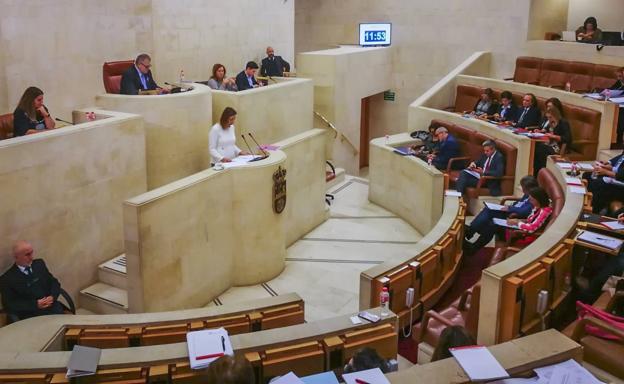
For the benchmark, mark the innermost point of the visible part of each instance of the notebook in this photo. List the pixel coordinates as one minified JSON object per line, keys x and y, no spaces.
{"x":478,"y":363}
{"x":83,"y":361}
{"x":206,"y":346}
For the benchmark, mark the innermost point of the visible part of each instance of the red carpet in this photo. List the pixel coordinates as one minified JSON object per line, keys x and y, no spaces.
{"x":469,"y":273}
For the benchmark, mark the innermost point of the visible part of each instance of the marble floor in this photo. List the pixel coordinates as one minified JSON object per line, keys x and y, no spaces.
{"x":324,"y":266}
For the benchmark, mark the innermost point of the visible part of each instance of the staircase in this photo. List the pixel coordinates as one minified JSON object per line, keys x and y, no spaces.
{"x":109,"y":295}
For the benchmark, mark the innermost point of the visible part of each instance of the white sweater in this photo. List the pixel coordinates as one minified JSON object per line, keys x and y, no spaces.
{"x":222,"y":143}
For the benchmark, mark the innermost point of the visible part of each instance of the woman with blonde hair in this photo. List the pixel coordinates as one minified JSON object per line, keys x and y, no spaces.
{"x":31,"y":116}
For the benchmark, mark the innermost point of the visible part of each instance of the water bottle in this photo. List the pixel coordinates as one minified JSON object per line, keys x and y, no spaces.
{"x":430,"y":161}
{"x":574,"y":171}
{"x":384,"y":299}
{"x":182,"y":76}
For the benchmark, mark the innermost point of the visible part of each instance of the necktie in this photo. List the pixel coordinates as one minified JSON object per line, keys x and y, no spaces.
{"x":522,"y":116}
{"x":144,"y":81}
{"x":28,"y":271}
{"x":487,"y":164}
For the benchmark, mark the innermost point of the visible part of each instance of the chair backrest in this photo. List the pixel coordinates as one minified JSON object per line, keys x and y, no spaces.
{"x":553,"y":72}
{"x":463,"y":136}
{"x":584,"y":126}
{"x":527,"y":69}
{"x":111,"y":74}
{"x":548,"y":181}
{"x":510,"y":153}
{"x":603,"y":76}
{"x":6,"y":126}
{"x":466,"y":97}
{"x":580,"y":76}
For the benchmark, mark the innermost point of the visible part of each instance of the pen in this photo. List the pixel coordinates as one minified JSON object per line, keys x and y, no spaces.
{"x":223,"y":343}
{"x":203,"y":357}
{"x":360,"y":381}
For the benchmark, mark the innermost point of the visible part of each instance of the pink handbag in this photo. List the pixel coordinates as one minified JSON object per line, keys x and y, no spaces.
{"x":585,"y":310}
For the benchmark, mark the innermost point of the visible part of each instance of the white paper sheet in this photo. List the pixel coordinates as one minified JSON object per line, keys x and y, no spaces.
{"x":450,"y":192}
{"x":614,"y":225}
{"x":207,"y":342}
{"x":532,"y":380}
{"x":573,"y":181}
{"x":473,"y":173}
{"x":601,"y":240}
{"x":289,"y":378}
{"x":547,"y":373}
{"x":493,"y":206}
{"x":577,"y":190}
{"x":479,"y":363}
{"x":372,"y":376}
{"x":581,"y":166}
{"x":503,"y":223}
{"x":239,"y":161}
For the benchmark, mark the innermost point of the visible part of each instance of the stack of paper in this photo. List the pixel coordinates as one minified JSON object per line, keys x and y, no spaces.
{"x":478,"y":363}
{"x":613,"y":225}
{"x":567,"y":372}
{"x":450,"y":192}
{"x":578,"y":190}
{"x":321,"y":378}
{"x":289,"y":378}
{"x":370,"y":376}
{"x":83,"y":361}
{"x":601,"y":240}
{"x":473,"y":173}
{"x":494,"y":207}
{"x":573,"y":181}
{"x":240,"y":161}
{"x":206,"y":346}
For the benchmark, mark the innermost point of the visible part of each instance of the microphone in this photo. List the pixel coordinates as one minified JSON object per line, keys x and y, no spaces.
{"x":63,"y":121}
{"x":247,"y":144}
{"x":261,"y":149}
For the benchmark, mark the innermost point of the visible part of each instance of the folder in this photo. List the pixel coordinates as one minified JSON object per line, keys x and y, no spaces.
{"x":479,"y":363}
{"x":206,"y":346}
{"x":83,"y":361}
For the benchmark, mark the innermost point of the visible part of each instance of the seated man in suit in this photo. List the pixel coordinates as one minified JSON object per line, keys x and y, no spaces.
{"x":448,"y":148}
{"x":529,"y":114}
{"x":139,"y":78}
{"x":247,"y":79}
{"x":484,"y":225}
{"x":273,"y":65}
{"x":606,"y":182}
{"x":491,"y":163}
{"x":28,"y":288}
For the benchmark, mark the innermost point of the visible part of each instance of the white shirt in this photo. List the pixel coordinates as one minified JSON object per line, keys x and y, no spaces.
{"x":222,"y":143}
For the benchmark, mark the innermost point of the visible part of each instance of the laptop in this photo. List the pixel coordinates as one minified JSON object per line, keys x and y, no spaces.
{"x":612,"y":38}
{"x":568,"y":36}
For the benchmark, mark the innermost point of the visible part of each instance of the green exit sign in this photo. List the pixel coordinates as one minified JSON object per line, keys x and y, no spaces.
{"x":389,"y":96}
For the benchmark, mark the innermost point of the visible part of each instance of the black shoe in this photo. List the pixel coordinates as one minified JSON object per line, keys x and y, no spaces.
{"x":468,"y":234}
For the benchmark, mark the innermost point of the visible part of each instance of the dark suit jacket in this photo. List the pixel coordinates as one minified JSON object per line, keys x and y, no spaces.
{"x":511,"y":113}
{"x":495,"y":169}
{"x":131,"y":82}
{"x":531,"y":118}
{"x":619,"y":176}
{"x":448,"y":149}
{"x":242,"y":83}
{"x":275,"y":67}
{"x":522,"y":208}
{"x":20,"y":292}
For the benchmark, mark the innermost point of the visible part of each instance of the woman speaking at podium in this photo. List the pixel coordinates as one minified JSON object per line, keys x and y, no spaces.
{"x":222,"y":138}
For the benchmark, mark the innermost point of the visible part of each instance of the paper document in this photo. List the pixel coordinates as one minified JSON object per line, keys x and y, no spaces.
{"x":535,"y":380}
{"x":321,"y":378}
{"x":240,"y":161}
{"x":83,"y":361}
{"x":450,"y":192}
{"x":601,"y":240}
{"x":289,"y":378}
{"x":473,"y":173}
{"x":503,"y":223}
{"x":595,"y":96}
{"x":617,"y":100}
{"x":206,"y":346}
{"x":577,"y":190}
{"x":614,"y":225}
{"x":546,"y":374}
{"x":581,"y":166}
{"x":573,"y":181}
{"x":478,"y":363}
{"x":493,"y":206}
{"x":371,"y":376}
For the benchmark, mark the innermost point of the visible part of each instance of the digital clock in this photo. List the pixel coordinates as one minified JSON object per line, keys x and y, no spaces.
{"x":372,"y":34}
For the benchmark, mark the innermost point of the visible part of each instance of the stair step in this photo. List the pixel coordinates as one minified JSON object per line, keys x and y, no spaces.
{"x":113,"y":272}
{"x":103,"y":298}
{"x":340,"y":177}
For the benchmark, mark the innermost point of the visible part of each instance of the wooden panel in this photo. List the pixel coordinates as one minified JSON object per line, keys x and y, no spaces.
{"x":383,"y":338}
{"x":430,"y":273}
{"x":105,"y":341}
{"x":182,"y":373}
{"x":303,"y":359}
{"x":25,"y":378}
{"x":535,"y":278}
{"x":398,"y":283}
{"x":446,"y":246}
{"x":509,"y":315}
{"x":282,"y":317}
{"x":559,"y":265}
{"x":233,"y":324}
{"x":136,"y":375}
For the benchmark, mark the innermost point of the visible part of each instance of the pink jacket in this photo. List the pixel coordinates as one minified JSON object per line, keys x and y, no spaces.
{"x":536,"y":219}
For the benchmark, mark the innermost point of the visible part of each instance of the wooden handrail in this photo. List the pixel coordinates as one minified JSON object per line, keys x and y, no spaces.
{"x":337,"y":132}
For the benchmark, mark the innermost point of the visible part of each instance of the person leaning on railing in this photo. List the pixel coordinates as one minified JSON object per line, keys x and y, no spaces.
{"x":31,"y":115}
